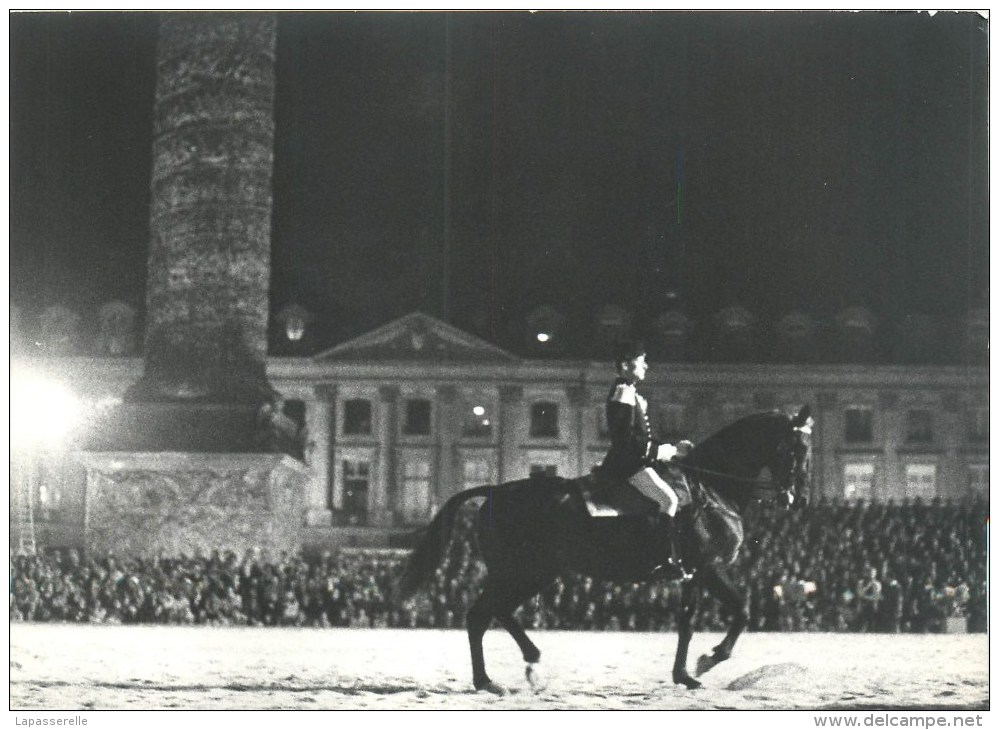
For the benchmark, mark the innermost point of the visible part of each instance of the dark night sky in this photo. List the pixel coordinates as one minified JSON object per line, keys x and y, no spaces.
{"x":824,"y":160}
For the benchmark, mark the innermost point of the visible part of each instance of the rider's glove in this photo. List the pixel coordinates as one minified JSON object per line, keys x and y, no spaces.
{"x":665,"y":452}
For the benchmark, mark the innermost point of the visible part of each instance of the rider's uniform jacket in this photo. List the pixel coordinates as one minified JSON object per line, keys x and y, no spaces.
{"x":632,"y":446}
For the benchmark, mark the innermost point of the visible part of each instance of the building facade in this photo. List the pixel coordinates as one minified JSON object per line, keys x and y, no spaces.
{"x":399,"y":419}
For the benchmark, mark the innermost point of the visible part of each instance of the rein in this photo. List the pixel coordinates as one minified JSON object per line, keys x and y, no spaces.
{"x":744,"y":480}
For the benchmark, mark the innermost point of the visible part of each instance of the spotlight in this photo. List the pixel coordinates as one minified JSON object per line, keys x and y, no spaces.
{"x":43,"y":412}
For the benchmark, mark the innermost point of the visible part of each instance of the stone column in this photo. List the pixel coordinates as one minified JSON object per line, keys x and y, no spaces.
{"x":579,"y":399}
{"x":383,"y":491}
{"x":319,"y":422}
{"x":512,"y":433}
{"x":179,"y":465}
{"x":209,"y":254}
{"x":448,"y":477}
{"x":891,"y":483}
{"x":825,"y":464}
{"x":951,"y":479}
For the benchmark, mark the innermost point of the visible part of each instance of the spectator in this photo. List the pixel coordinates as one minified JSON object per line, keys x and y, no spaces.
{"x":869,"y":594}
{"x":800,"y":570}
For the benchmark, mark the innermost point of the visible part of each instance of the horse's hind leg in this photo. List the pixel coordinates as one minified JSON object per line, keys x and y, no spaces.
{"x":688,"y":607}
{"x":480,"y":615}
{"x":500,"y":601}
{"x":721,"y":587}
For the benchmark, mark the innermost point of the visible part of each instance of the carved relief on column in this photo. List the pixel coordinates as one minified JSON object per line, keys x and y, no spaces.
{"x":212,"y":164}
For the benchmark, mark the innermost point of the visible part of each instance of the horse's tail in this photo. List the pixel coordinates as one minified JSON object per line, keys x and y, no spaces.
{"x":427,"y":555}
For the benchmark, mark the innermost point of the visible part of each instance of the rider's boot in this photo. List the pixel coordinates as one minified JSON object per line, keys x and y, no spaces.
{"x":665,"y":550}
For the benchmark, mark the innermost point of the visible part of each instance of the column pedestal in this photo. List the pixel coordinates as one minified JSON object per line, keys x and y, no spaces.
{"x":137,"y":503}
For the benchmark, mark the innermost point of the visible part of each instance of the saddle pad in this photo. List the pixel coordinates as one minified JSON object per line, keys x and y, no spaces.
{"x":597,"y":509}
{"x":613,"y":499}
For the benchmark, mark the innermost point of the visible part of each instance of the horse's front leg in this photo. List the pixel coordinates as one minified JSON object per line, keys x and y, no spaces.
{"x":731,"y":599}
{"x":688,"y":607}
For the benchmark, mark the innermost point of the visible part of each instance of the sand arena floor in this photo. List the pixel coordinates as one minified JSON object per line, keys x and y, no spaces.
{"x":179,"y":667}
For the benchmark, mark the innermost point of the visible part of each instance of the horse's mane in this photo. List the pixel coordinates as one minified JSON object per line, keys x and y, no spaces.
{"x":739,"y":449}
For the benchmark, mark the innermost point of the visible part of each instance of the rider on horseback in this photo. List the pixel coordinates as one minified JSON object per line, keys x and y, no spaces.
{"x":634,"y":452}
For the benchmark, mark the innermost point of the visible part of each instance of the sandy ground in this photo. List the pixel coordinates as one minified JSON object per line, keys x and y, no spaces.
{"x":141,"y":667}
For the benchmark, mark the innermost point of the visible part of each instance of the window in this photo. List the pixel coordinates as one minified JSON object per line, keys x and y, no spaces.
{"x":544,"y":420}
{"x":978,"y":480}
{"x":978,"y":427}
{"x":476,"y":473}
{"x":417,"y":419}
{"x":921,"y":481}
{"x":859,"y":425}
{"x":858,"y":481}
{"x":356,"y":478}
{"x":416,"y":490}
{"x":477,"y":420}
{"x":920,"y":427}
{"x":544,"y":470}
{"x":357,"y":418}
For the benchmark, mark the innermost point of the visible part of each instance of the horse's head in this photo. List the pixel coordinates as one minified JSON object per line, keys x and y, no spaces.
{"x":793,"y":460}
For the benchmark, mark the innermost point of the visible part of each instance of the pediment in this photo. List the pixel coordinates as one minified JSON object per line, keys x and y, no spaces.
{"x":417,"y":337}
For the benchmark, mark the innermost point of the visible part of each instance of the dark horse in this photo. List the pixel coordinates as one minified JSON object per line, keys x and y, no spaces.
{"x":533,"y":530}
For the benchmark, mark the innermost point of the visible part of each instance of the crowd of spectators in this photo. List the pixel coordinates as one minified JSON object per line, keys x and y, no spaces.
{"x":908,"y":567}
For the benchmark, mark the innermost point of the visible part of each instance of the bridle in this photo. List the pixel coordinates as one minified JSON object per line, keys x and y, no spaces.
{"x":794,"y":463}
{"x":793,"y":453}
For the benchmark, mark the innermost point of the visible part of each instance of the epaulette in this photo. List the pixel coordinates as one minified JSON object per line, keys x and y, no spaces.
{"x":624,"y":393}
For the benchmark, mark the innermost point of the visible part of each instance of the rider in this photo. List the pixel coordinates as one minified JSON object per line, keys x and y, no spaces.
{"x":634,"y":452}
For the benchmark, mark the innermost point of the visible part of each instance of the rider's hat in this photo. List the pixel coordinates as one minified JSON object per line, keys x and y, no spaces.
{"x":628,"y":350}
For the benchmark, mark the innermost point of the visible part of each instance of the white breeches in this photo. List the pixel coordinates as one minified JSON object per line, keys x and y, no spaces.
{"x":649,"y":483}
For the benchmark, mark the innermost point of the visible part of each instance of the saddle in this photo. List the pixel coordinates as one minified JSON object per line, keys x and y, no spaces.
{"x":606,"y":496}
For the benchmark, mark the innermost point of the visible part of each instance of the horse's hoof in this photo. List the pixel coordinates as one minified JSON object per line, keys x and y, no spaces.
{"x":492,"y":688}
{"x":705,"y":662}
{"x":535,"y":677}
{"x":686,"y":680}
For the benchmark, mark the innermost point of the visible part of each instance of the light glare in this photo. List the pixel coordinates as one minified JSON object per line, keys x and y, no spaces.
{"x":43,"y":412}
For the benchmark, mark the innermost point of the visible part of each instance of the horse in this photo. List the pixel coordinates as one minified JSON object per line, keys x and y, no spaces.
{"x":533,"y":530}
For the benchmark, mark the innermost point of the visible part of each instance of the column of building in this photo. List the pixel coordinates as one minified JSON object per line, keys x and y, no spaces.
{"x":320,"y":426}
{"x":513,"y":433}
{"x":446,"y":478}
{"x":577,"y":436}
{"x":891,"y":481}
{"x":826,"y":479}
{"x":948,"y":433}
{"x":382,"y":499}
